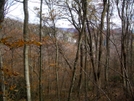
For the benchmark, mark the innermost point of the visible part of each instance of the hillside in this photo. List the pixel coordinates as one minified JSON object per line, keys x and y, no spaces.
{"x":13,"y":64}
{"x":90,"y":59}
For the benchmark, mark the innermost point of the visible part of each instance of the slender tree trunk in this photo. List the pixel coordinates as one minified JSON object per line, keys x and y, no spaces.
{"x":74,"y":70}
{"x":2,"y":79}
{"x":26,"y":49}
{"x":131,"y":57}
{"x":49,"y":77}
{"x":57,"y":72}
{"x":100,"y":42}
{"x":107,"y":44}
{"x":125,"y":40}
{"x":40,"y":54}
{"x":124,"y":68}
{"x":81,"y":68}
{"x":33,"y":62}
{"x":2,"y":4}
{"x":12,"y":65}
{"x":131,"y":65}
{"x":83,"y":19}
{"x":57,"y":63}
{"x":2,"y":85}
{"x":90,"y":44}
{"x":123,"y":62}
{"x":85,"y":69}
{"x":99,"y":66}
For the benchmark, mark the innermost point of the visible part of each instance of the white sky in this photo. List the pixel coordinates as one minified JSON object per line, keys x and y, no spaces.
{"x":16,"y":12}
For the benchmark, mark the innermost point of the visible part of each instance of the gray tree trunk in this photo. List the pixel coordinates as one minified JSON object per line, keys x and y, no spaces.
{"x":107,"y":44}
{"x":125,"y":41}
{"x":25,"y":51}
{"x":82,"y":19}
{"x":81,"y":71}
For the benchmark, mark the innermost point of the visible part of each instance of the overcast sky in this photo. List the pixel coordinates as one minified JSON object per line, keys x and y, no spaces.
{"x":16,"y":12}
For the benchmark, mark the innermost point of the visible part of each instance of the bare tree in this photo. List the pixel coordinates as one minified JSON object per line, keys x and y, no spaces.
{"x":26,"y":49}
{"x":107,"y":42}
{"x":80,"y":7}
{"x":124,"y":12}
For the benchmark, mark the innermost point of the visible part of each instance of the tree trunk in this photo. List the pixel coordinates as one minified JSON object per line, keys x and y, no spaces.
{"x":26,"y":49}
{"x":107,"y":44}
{"x":81,"y":68}
{"x":2,"y":3}
{"x":2,"y":79}
{"x":99,"y":66}
{"x":40,"y":54}
{"x":57,"y":63}
{"x":2,"y":85}
{"x":85,"y":69}
{"x":82,"y":14}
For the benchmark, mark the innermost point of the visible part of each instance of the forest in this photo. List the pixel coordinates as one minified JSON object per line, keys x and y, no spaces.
{"x":92,"y":61}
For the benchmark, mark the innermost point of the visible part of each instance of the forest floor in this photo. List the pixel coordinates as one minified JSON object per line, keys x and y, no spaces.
{"x":112,"y":93}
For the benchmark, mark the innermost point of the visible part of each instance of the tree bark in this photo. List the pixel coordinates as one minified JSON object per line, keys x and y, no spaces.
{"x":82,"y":12}
{"x":2,"y":79}
{"x":107,"y":44}
{"x":125,"y":40}
{"x":85,"y":69}
{"x":40,"y":54}
{"x":99,"y":60}
{"x":26,"y":49}
{"x":81,"y":72}
{"x":2,"y":3}
{"x":100,"y":41}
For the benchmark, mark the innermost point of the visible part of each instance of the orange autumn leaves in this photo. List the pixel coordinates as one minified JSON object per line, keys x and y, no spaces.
{"x":18,"y":43}
{"x":9,"y":73}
